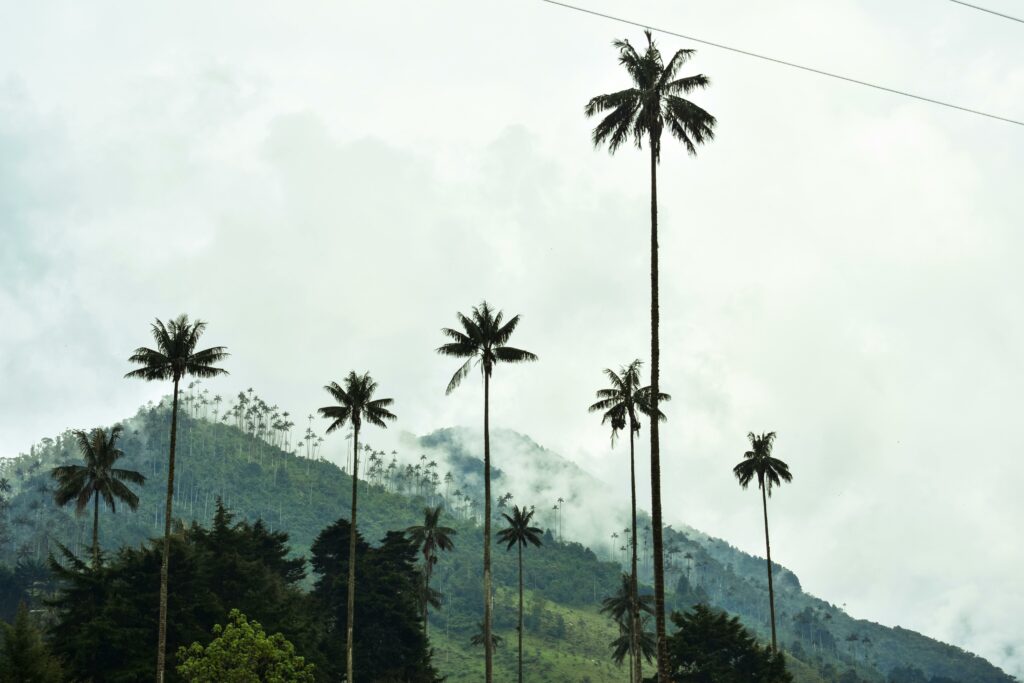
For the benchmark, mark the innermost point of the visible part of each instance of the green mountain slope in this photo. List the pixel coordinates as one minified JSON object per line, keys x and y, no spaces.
{"x":252,"y":463}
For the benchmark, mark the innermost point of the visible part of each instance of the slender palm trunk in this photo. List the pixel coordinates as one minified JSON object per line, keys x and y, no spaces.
{"x":635,"y":670}
{"x":351,"y":610}
{"x":659,"y":564}
{"x":520,"y":613}
{"x":768,"y":549}
{"x":96,"y":530}
{"x":488,"y":650}
{"x":161,"y":645}
{"x":426,"y":593}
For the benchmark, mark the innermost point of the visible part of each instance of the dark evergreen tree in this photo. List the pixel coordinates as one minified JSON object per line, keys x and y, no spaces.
{"x":712,"y":647}
{"x":390,"y":644}
{"x":24,"y":657}
{"x":104,"y":618}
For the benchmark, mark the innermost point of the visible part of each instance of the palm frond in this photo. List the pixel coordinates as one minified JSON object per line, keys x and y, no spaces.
{"x":459,"y":375}
{"x":616,"y":128}
{"x":504,"y":332}
{"x":689,"y":123}
{"x":507,"y":354}
{"x":117,"y":490}
{"x":130,"y":476}
{"x":473,"y":325}
{"x":672,"y":68}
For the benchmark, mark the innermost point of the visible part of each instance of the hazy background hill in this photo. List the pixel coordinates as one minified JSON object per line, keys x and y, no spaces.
{"x":261,"y":471}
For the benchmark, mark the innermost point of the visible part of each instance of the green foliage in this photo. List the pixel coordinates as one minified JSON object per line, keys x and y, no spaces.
{"x":243,"y":653}
{"x":389,"y":639}
{"x":712,"y":647}
{"x":105,"y":623}
{"x":24,"y":657}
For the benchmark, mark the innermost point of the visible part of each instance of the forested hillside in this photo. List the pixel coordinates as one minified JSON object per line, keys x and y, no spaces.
{"x":248,"y":456}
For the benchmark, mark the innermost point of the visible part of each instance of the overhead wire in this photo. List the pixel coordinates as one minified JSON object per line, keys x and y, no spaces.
{"x":990,"y":11}
{"x":782,"y":62}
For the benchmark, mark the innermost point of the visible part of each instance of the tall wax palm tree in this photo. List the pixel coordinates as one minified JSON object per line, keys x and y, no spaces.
{"x":620,"y":405}
{"x":630,"y":612}
{"x":430,"y":537}
{"x":97,"y":479}
{"x":642,"y":112}
{"x":174,"y":358}
{"x":355,"y":404}
{"x":483,"y":338}
{"x":519,"y":533}
{"x":561,"y":504}
{"x":770,"y":471}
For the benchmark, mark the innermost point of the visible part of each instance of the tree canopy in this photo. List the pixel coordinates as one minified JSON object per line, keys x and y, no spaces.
{"x":712,"y":647}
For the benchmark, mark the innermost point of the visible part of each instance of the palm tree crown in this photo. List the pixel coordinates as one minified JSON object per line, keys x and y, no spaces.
{"x":175,"y":355}
{"x":621,"y":401}
{"x":653,"y":103}
{"x":620,"y":605}
{"x":519,"y":531}
{"x":758,"y":462}
{"x":356,"y":403}
{"x":97,"y":479}
{"x":483,"y":337}
{"x":97,"y":476}
{"x":430,"y":536}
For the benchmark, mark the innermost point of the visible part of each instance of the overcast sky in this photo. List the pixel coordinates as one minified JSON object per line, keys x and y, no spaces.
{"x":328,"y":183}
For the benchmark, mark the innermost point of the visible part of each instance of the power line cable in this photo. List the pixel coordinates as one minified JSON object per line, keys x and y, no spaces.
{"x":766,"y":58}
{"x":990,"y":11}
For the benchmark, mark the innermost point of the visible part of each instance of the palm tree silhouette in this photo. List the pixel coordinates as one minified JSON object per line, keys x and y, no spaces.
{"x":479,"y":638}
{"x":628,"y":612}
{"x":519,"y":533}
{"x":561,"y":504}
{"x":430,"y":537}
{"x":174,"y":358}
{"x":483,"y":338}
{"x":621,"y":404}
{"x":644,"y":111}
{"x":96,"y":479}
{"x":355,"y":404}
{"x":758,"y":462}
